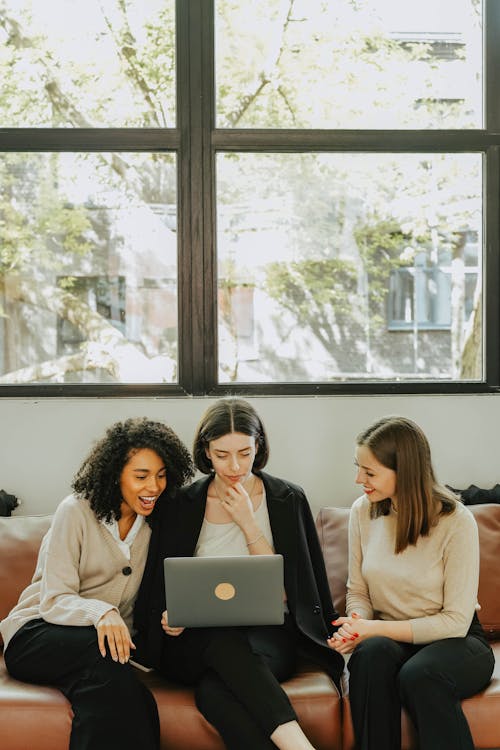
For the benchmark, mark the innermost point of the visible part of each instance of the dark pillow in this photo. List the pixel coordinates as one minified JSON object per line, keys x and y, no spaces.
{"x":7,"y":503}
{"x":474,"y":495}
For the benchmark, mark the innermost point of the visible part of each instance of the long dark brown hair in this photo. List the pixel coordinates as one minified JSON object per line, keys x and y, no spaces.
{"x":401,"y":445}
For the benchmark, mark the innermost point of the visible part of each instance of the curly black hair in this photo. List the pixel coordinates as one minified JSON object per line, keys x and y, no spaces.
{"x":98,"y":478}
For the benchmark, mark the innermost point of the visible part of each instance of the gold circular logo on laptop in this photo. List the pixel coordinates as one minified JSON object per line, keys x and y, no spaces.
{"x":225,"y":591}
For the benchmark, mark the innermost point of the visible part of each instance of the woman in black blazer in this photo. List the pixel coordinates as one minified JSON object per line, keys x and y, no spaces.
{"x":239,"y":509}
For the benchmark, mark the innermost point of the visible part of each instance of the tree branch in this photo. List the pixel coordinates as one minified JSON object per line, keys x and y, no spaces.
{"x":54,"y":368}
{"x":60,"y":101}
{"x":106,"y":347}
{"x":126,"y":46}
{"x":265,"y":77}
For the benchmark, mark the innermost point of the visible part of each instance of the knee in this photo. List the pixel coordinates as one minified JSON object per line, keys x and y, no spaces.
{"x":416,"y":679}
{"x":377,"y":655}
{"x":208,"y":699}
{"x":104,"y":673}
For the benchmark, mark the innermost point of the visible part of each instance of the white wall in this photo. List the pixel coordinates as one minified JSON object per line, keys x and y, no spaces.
{"x":43,"y":442}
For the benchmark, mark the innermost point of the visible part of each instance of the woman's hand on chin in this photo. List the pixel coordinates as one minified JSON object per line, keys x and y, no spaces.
{"x":237,"y":502}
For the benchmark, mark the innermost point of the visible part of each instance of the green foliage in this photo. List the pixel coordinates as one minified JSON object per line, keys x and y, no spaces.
{"x":318,"y":293}
{"x":381,"y":246}
{"x":301,"y":284}
{"x":39,"y":229}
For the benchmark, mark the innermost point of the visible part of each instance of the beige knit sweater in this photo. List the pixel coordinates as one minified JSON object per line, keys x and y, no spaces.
{"x":79,"y":573}
{"x":433,"y":584}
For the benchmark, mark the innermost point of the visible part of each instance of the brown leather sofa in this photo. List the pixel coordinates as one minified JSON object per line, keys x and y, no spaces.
{"x":33,"y":716}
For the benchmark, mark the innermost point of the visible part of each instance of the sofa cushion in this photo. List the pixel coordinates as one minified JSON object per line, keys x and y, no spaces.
{"x":20,"y":538}
{"x":312,"y":693}
{"x":487,"y":516}
{"x":32,"y":716}
{"x":332,"y":524}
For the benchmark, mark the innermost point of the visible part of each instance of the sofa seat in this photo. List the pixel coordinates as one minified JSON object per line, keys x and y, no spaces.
{"x":32,"y":716}
{"x":38,"y":716}
{"x":483,"y":710}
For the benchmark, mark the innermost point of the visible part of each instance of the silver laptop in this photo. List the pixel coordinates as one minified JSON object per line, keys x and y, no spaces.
{"x":224,"y":591}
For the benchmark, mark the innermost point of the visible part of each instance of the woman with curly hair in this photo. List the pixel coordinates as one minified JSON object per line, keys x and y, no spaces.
{"x":72,"y":626}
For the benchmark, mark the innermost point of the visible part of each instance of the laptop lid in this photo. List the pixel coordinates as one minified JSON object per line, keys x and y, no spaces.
{"x":224,"y":591}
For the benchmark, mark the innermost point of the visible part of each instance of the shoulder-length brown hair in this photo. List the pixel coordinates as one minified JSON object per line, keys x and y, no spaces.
{"x":225,"y":416}
{"x":400,"y":445}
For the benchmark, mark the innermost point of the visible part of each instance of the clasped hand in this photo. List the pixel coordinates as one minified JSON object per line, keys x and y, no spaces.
{"x":112,"y":628}
{"x":351,"y":631}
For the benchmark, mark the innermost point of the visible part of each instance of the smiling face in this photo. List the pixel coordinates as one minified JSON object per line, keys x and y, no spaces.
{"x":143,"y":479}
{"x":232,"y":457}
{"x":378,"y":481}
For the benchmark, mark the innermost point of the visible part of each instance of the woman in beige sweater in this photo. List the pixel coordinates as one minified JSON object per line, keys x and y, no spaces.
{"x":72,"y":626}
{"x":411,"y":629}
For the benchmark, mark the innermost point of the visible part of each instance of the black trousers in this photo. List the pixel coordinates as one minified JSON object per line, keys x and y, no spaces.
{"x":236,"y":673}
{"x":111,"y":706}
{"x":429,"y":681}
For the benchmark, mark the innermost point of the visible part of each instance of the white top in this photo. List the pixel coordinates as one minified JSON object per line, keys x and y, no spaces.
{"x":226,"y":539}
{"x":433,"y":583}
{"x":124,"y":544}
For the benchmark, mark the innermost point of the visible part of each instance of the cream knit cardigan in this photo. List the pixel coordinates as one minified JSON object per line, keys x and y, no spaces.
{"x":81,"y":572}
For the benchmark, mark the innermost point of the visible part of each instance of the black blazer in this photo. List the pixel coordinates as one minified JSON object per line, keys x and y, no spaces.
{"x":175,"y":533}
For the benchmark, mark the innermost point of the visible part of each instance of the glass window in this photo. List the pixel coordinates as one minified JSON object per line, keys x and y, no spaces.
{"x":88,"y":268}
{"x":343,"y":64}
{"x":312,"y":184}
{"x":313,"y":249}
{"x":68,"y":63}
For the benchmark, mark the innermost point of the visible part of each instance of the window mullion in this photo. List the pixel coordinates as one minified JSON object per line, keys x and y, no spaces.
{"x":197,"y":308}
{"x":491,"y":281}
{"x":492,"y":65}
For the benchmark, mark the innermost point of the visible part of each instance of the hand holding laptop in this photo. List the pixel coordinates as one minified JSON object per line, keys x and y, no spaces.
{"x":169,"y":630}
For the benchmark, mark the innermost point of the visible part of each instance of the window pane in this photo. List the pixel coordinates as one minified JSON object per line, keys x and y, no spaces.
{"x":69,"y":63}
{"x":88,"y":268}
{"x":343,"y":64}
{"x":349,"y":266}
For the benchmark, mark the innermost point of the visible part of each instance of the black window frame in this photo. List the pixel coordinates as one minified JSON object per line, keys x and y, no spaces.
{"x":196,"y":141}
